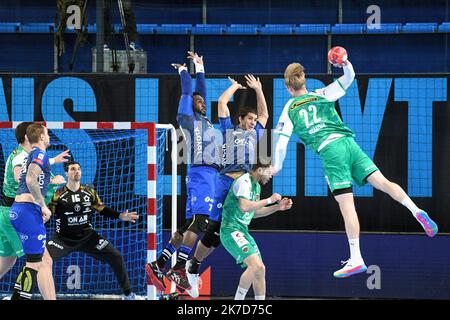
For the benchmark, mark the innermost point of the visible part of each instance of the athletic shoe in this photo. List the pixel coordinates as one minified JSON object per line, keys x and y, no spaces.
{"x":350,"y":268}
{"x":155,"y":275}
{"x":179,"y":277}
{"x":131,"y":296}
{"x":193,"y":281}
{"x":428,"y":225}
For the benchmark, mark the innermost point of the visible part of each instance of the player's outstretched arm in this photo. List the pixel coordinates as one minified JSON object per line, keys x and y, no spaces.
{"x":129,"y":216}
{"x":200,"y":84}
{"x":185,"y":104}
{"x":261,"y":104}
{"x":224,"y":112}
{"x":61,"y":158}
{"x":337,"y":89}
{"x":280,"y":152}
{"x":349,"y":74}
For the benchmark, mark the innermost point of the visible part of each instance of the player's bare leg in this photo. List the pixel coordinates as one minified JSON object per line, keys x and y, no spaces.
{"x":378,"y":181}
{"x":6,"y":263}
{"x":356,"y":263}
{"x":45,"y":278}
{"x":255,"y":275}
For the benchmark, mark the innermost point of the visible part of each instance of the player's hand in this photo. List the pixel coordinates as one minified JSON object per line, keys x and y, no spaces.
{"x":194,"y":57}
{"x":275,"y":197}
{"x":234,"y":82}
{"x":253,"y":82}
{"x":285,"y":204}
{"x":62,"y":157}
{"x":340,"y":65}
{"x":58,"y":180}
{"x":177,"y":65}
{"x":129,"y":216}
{"x":46,"y":214}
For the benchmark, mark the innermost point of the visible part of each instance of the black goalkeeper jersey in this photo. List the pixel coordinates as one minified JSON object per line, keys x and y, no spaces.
{"x":73,"y":211}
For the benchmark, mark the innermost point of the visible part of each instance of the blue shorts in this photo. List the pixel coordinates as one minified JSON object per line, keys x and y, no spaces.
{"x":223,"y":185}
{"x":201,"y":186}
{"x":26,"y":218}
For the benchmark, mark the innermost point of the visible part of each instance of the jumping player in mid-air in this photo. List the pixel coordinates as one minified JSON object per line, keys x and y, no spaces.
{"x":313,"y":118}
{"x":239,"y":154}
{"x":204,"y":146}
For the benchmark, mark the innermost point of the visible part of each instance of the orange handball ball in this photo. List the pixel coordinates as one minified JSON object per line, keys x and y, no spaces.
{"x":337,"y":55}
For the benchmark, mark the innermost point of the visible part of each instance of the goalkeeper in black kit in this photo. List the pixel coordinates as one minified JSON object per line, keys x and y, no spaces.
{"x":73,"y":206}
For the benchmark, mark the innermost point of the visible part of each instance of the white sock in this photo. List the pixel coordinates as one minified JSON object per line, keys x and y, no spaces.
{"x":407,"y":202}
{"x":240,"y":293}
{"x":260,"y":297}
{"x":355,"y":253}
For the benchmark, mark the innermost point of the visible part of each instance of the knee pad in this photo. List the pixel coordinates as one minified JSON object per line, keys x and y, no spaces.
{"x":199,"y":223}
{"x":33,"y":258}
{"x":212,"y":235}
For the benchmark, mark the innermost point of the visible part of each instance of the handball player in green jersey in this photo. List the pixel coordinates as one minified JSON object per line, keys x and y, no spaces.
{"x":312,"y":117}
{"x":241,"y":205}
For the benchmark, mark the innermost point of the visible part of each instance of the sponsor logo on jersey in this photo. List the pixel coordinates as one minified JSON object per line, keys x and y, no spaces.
{"x":23,"y":237}
{"x":39,"y":161}
{"x":302,"y":102}
{"x":13,"y":215}
{"x":280,"y":126}
{"x":41,"y":237}
{"x":239,"y":238}
{"x":77,"y":207}
{"x":57,"y":245}
{"x":101,"y":244}
{"x":77,"y":220}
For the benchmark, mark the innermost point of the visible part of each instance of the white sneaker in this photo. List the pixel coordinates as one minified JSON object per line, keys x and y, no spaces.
{"x":193,"y":281}
{"x":351,"y":267}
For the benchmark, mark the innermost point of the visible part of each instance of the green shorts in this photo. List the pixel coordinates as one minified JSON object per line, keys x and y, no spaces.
{"x":239,"y":243}
{"x":10,"y":244}
{"x":343,"y":161}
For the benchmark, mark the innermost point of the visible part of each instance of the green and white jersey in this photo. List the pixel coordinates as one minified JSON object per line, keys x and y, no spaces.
{"x":313,"y":118}
{"x":242,"y":187}
{"x":16,"y":158}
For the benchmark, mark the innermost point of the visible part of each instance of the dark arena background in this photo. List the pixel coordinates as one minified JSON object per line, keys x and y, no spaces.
{"x":398,"y":106}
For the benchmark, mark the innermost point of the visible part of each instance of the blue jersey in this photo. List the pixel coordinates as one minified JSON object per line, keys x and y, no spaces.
{"x":239,"y":148}
{"x":40,"y":158}
{"x":203,"y":139}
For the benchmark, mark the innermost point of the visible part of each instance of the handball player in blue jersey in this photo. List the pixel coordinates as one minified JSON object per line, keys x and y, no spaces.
{"x":204,"y":144}
{"x":29,"y":211}
{"x":238,"y":157}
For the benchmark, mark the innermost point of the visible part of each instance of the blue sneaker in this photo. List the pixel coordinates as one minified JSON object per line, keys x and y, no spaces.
{"x":428,"y":225}
{"x":131,"y":296}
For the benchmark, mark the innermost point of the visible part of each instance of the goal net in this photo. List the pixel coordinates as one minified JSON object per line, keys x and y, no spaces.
{"x":123,"y":162}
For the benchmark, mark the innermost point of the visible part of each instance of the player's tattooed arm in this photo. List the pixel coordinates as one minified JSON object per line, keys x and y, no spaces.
{"x":33,"y":184}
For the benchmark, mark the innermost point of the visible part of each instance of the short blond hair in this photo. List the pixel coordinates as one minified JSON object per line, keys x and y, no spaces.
{"x":294,"y":76}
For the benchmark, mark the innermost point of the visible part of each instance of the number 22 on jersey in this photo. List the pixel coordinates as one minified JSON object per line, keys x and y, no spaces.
{"x":304,"y":114}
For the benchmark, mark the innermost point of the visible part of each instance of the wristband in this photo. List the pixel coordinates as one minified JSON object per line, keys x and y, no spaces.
{"x":180,"y":69}
{"x":52,"y":161}
{"x":199,"y":68}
